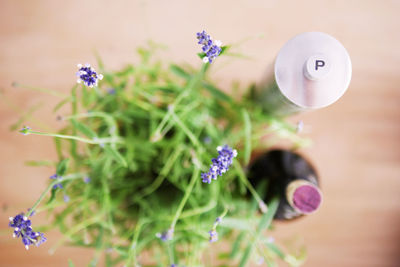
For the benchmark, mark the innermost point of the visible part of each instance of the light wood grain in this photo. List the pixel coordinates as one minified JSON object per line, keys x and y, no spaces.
{"x":356,"y":141}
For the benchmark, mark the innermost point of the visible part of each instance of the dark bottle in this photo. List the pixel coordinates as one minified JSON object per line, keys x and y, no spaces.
{"x":290,"y":177}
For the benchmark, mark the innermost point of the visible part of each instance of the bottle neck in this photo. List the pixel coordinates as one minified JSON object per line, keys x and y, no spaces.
{"x":303,"y":196}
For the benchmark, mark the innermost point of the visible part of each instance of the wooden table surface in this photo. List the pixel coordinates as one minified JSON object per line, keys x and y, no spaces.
{"x":356,"y":141}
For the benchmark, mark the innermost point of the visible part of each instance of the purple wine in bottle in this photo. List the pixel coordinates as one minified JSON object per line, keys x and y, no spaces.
{"x":290,"y":177}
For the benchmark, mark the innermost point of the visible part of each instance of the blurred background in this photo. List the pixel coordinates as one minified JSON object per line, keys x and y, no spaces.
{"x":356,"y":141}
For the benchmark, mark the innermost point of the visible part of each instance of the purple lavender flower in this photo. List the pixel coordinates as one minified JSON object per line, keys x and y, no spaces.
{"x":220,"y":165}
{"x":25,"y":130}
{"x":213,"y":232}
{"x":86,"y":179}
{"x":211,"y":48}
{"x":203,"y":38}
{"x":213,"y":236}
{"x":217,"y":220}
{"x":40,"y":239}
{"x":56,"y":177}
{"x":96,"y":139}
{"x":32,"y":213}
{"x":111,"y":91}
{"x":88,"y":75}
{"x":22,"y":228}
{"x":207,"y":140}
{"x":66,"y":198}
{"x":166,"y":235}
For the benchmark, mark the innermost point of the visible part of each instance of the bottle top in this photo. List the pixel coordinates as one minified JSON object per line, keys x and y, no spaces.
{"x":313,"y":70}
{"x":303,"y":196}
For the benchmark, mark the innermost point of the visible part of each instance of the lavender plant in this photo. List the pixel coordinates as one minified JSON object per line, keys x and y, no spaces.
{"x":133,"y":173}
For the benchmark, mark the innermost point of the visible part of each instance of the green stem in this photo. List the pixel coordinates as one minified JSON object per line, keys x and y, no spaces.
{"x":247,"y":137}
{"x":43,"y":90}
{"x":192,"y":83}
{"x":246,"y":182}
{"x":156,"y":136}
{"x":57,"y":181}
{"x":75,"y":229}
{"x":200,"y":210}
{"x":188,"y":191}
{"x":223,"y":213}
{"x":81,"y":139}
{"x":55,"y":204}
{"x":165,"y":128}
{"x":24,"y":115}
{"x":163,"y":173}
{"x":264,"y":223}
{"x":108,"y":118}
{"x":186,"y":130}
{"x":107,"y":207}
{"x":133,"y":245}
{"x":170,"y":253}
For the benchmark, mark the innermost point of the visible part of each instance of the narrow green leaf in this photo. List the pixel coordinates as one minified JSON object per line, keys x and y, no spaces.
{"x":239,"y":55}
{"x":217,"y":93}
{"x":179,"y":72}
{"x":265,"y":221}
{"x":25,"y":116}
{"x":224,"y":49}
{"x":70,"y":263}
{"x":144,"y":54}
{"x":115,"y":155}
{"x":99,"y":240}
{"x":58,"y":146}
{"x":74,"y":106}
{"x":126,"y":71}
{"x":236,"y":223}
{"x":62,"y":103}
{"x":274,"y":248}
{"x":62,"y":167}
{"x":88,"y":97}
{"x":201,"y":55}
{"x":223,"y":256}
{"x":83,"y":128}
{"x":236,"y":245}
{"x":247,"y":136}
{"x":52,"y":196}
{"x":99,"y":61}
{"x":36,"y":163}
{"x":109,"y":78}
{"x":39,"y":89}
